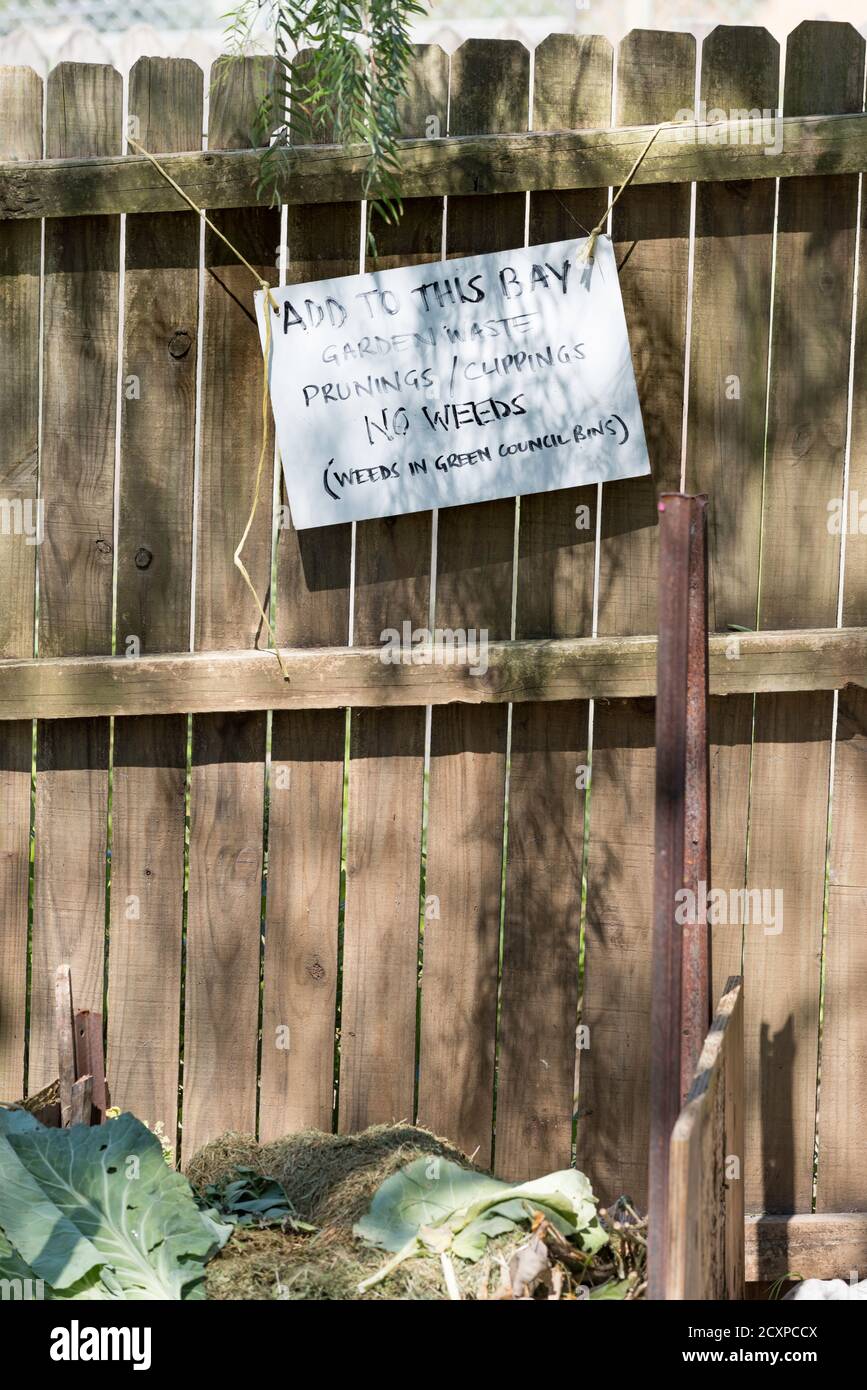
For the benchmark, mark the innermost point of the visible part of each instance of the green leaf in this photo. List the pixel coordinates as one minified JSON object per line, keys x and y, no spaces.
{"x":250,"y":1199}
{"x":11,"y":1264}
{"x":424,"y":1193}
{"x":96,"y":1212}
{"x":474,"y":1207}
{"x":613,"y":1289}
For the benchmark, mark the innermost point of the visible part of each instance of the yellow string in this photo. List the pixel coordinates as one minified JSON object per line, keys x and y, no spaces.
{"x":269,"y":301}
{"x":590,"y":248}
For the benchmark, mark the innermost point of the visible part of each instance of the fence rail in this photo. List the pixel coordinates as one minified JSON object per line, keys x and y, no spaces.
{"x":765,"y":147}
{"x":291,"y":916}
{"x":571,"y":668}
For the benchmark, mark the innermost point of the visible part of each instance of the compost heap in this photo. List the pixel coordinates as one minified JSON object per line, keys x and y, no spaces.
{"x":330,"y":1181}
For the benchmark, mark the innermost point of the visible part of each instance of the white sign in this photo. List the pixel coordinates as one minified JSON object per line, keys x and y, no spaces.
{"x":461,"y":381}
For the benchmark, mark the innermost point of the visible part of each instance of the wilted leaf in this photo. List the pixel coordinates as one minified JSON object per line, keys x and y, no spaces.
{"x":473,"y":1208}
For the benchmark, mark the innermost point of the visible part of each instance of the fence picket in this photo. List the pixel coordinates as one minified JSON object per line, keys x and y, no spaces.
{"x":307,"y":764}
{"x":392,"y":586}
{"x":20,"y":254}
{"x":228,"y":774}
{"x":549,"y":764}
{"x":842,"y":1169}
{"x":83,"y":117}
{"x":655,"y":79}
{"x":807,"y":428}
{"x":153,"y":606}
{"x":731,"y":303}
{"x":475,"y":546}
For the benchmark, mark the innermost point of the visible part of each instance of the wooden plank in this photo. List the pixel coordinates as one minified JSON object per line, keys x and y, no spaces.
{"x":536,"y":1073}
{"x":159,"y":378}
{"x":842,"y":1171}
{"x":154,"y":572}
{"x":90,"y":1060}
{"x":811,"y":337}
{"x":655,"y":77}
{"x":843,"y":1108}
{"x":731,"y":302}
{"x":20,"y":253}
{"x":64,"y":1039}
{"x":813,"y":1246}
{"x":82,"y":1101}
{"x":473,"y":166}
{"x":556,"y":549}
{"x":726,"y":430}
{"x":306,"y":782}
{"x":730,"y":734}
{"x":781,"y":957}
{"x":386,"y":769}
{"x":800,"y":563}
{"x":83,"y":117}
{"x":855,"y":522}
{"x":734,"y":1275}
{"x":573,"y":668}
{"x":612,"y":1142}
{"x":304,"y":840}
{"x":228,"y":776}
{"x":706,"y":1210}
{"x":378,"y":1015}
{"x":489,"y":92}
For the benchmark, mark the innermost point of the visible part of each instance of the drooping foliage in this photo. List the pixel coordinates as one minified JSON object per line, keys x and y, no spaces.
{"x":346,"y":88}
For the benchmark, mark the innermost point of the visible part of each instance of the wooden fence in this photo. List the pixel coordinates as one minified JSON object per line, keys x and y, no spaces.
{"x":271,"y":954}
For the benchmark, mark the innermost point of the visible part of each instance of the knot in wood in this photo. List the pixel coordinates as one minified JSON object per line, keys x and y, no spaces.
{"x":180,"y":343}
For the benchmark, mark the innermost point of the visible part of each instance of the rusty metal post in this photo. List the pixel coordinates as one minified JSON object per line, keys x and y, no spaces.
{"x":696,"y":992}
{"x":682,"y":520}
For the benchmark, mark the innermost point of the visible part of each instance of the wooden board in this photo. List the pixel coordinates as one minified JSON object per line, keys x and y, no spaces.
{"x":301,"y":959}
{"x":155,"y":555}
{"x":812,"y":1245}
{"x":571,"y":668}
{"x":842,"y":1170}
{"x":730,"y":734}
{"x":475,"y":545}
{"x":386,"y":769}
{"x":20,"y":253}
{"x":787,"y":854}
{"x":740,"y":70}
{"x":305,"y":790}
{"x":800,"y":563}
{"x":228,"y":774}
{"x":612,"y":1148}
{"x":706,"y":1190}
{"x":472,"y":167}
{"x":842,"y":1175}
{"x":83,"y":117}
{"x":655,"y":77}
{"x":549,"y":763}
